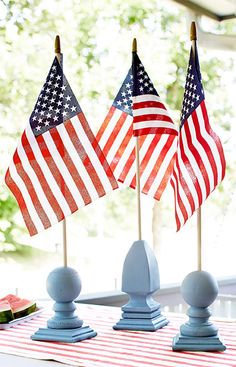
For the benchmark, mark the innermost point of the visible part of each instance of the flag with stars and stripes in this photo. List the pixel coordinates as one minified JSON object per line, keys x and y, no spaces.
{"x":149,"y":113}
{"x":200,"y":162}
{"x":148,"y":117}
{"x":58,"y":166}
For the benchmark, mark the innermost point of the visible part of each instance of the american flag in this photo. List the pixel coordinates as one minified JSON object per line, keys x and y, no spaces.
{"x":58,"y":165}
{"x":157,"y":148}
{"x":150,"y":114}
{"x":200,"y":162}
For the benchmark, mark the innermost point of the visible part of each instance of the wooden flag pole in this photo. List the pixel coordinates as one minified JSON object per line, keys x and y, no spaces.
{"x":193,"y":38}
{"x":134,"y":49}
{"x":64,"y":229}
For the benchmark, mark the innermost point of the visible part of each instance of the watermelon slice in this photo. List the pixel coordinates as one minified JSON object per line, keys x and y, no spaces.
{"x":22,"y":308}
{"x":6,"y":314}
{"x":10,"y":298}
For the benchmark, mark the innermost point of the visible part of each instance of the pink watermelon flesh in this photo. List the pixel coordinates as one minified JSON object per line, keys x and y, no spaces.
{"x":13,"y":307}
{"x":10,"y":298}
{"x":22,"y":308}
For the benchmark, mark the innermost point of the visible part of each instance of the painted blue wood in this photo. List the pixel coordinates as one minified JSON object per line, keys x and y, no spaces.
{"x":64,"y":335}
{"x":140,"y":279}
{"x":199,"y":289}
{"x":204,"y":344}
{"x":64,"y":286}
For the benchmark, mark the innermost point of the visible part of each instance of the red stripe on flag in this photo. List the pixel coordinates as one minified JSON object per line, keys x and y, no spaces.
{"x":61,"y":147}
{"x":105,"y":123}
{"x":110,"y":166}
{"x":165,"y":180}
{"x":32,"y":193}
{"x":121,"y":149}
{"x":155,"y":117}
{"x":41,"y":178}
{"x":187,"y":191}
{"x":192,"y":177}
{"x":153,"y":130}
{"x":145,"y":161}
{"x":168,"y":172}
{"x":127,"y":167}
{"x":115,"y":132}
{"x":21,"y":202}
{"x":148,"y":104}
{"x":56,"y":173}
{"x":178,"y":201}
{"x":216,"y":139}
{"x":208,"y":151}
{"x":83,"y":154}
{"x":91,"y":138}
{"x":129,"y":163}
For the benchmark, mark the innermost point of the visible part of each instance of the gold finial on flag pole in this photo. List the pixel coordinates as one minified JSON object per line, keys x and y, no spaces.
{"x":57,"y":45}
{"x":59,"y":58}
{"x":134,"y":45}
{"x":193,"y":32}
{"x":193,"y":38}
{"x":58,"y":50}
{"x":134,"y":49}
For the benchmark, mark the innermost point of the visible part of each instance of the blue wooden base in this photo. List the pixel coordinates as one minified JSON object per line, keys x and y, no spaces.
{"x":199,"y":290}
{"x":143,"y":324}
{"x":64,"y":286}
{"x":140,"y":315}
{"x":144,"y":321}
{"x":144,"y":304}
{"x":205,"y":344}
{"x":64,"y":335}
{"x":140,"y":280}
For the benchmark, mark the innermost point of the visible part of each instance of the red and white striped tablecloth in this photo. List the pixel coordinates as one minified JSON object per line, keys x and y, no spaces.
{"x":112,"y":348}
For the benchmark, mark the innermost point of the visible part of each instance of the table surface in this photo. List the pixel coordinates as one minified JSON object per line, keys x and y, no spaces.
{"x":7,"y":360}
{"x":110,"y":347}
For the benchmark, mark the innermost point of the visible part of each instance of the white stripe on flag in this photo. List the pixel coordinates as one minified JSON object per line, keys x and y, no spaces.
{"x":146,"y":97}
{"x":109,"y":128}
{"x":36,"y":184}
{"x":142,"y":151}
{"x":178,"y":211}
{"x":125,"y":156}
{"x":77,"y":162}
{"x":92,"y":154}
{"x":47,"y":173}
{"x":211,"y":142}
{"x":151,"y":111}
{"x":165,"y":163}
{"x":63,"y":169}
{"x":153,"y":123}
{"x":119,"y":138}
{"x":28,"y":201}
{"x":152,"y":160}
{"x":194,"y":165}
{"x":189,"y":183}
{"x":201,"y":151}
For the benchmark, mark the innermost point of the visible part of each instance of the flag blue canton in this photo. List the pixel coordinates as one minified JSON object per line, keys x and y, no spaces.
{"x":124,"y":98}
{"x":56,"y":102}
{"x":137,"y":82}
{"x":142,"y":82}
{"x":194,"y":93}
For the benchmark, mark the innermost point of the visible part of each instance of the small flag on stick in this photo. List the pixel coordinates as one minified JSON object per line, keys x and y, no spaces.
{"x":200,"y":163}
{"x":138,"y":111}
{"x":58,"y":166}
